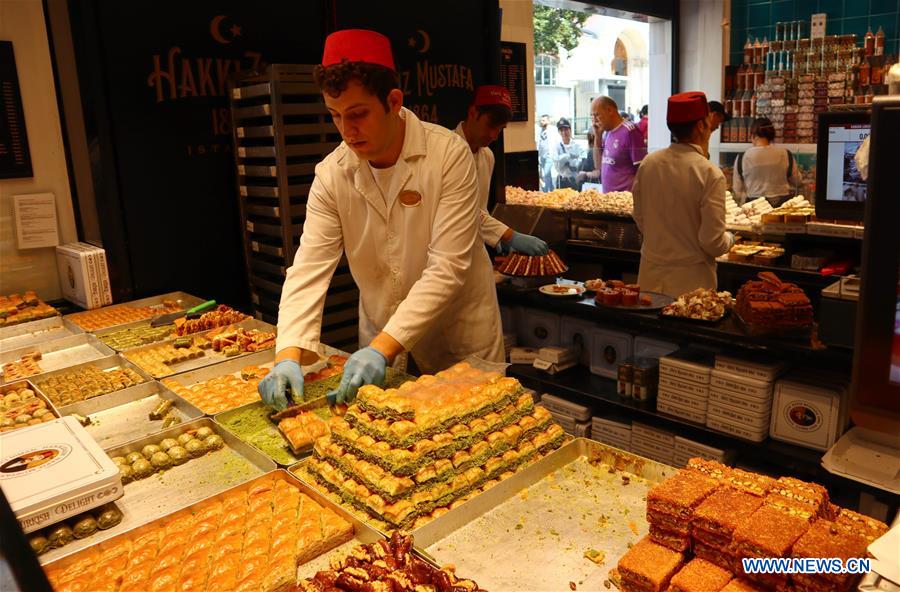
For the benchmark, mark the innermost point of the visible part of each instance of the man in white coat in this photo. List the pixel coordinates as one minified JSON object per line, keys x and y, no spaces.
{"x":490,"y":111}
{"x":679,"y":205}
{"x":399,"y":197}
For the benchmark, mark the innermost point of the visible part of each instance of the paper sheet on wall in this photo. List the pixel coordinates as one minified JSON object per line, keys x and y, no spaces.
{"x":35,"y":217}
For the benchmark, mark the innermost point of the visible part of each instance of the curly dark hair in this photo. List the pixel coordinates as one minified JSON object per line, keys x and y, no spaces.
{"x":378,"y":80}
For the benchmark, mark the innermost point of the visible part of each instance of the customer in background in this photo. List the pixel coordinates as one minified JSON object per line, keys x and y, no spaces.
{"x":679,"y":205}
{"x":717,"y":115}
{"x":621,"y":149}
{"x":568,"y":156}
{"x":644,"y":122}
{"x":765,"y":170}
{"x":544,"y":141}
{"x":588,"y":172}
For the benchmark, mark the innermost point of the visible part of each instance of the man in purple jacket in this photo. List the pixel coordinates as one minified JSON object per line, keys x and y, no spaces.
{"x":622,"y":149}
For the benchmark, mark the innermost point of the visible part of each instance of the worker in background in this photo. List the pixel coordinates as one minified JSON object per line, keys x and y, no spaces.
{"x":399,"y":197}
{"x":679,"y":205}
{"x":490,"y":111}
{"x":765,"y":170}
{"x":544,"y":141}
{"x":717,"y":115}
{"x":621,"y":149}
{"x":567,"y":156}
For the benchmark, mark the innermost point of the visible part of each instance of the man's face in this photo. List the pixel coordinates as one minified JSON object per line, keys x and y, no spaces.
{"x":714,"y":120}
{"x":362,"y":120}
{"x":545,"y":121}
{"x":604,"y":115}
{"x":565,"y":134}
{"x":480,"y":131}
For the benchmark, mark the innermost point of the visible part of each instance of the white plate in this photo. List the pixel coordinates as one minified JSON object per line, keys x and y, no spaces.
{"x":562,"y":290}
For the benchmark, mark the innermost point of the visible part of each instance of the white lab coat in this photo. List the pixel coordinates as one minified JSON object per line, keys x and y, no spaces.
{"x":679,"y":207}
{"x":491,"y":228}
{"x":424,"y":276}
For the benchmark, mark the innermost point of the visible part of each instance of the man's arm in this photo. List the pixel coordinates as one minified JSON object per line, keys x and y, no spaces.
{"x":638,"y":209}
{"x":303,"y":294}
{"x":714,"y":238}
{"x":454,"y":233}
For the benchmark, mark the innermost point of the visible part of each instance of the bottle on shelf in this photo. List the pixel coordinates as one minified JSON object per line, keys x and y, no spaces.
{"x":760,"y":74}
{"x":876,"y":74}
{"x":748,"y":51}
{"x":779,"y":31}
{"x":765,"y":50}
{"x":864,"y":72}
{"x":869,"y":42}
{"x":879,"y":42}
{"x":757,"y":51}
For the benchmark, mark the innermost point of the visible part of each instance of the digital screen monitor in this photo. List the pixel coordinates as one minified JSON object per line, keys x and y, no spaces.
{"x":840,"y":189}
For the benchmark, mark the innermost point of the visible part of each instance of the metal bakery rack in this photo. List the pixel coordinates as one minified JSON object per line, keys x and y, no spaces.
{"x":281,"y":130}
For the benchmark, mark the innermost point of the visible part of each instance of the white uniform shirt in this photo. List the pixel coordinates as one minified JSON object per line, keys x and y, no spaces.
{"x":491,"y":228}
{"x":679,"y":207}
{"x":423,"y":275}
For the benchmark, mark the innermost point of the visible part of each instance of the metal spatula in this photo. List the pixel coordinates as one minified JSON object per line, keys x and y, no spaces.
{"x":169,"y":318}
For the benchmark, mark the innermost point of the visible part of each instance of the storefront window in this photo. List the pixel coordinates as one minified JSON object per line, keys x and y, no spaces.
{"x":545,"y":69}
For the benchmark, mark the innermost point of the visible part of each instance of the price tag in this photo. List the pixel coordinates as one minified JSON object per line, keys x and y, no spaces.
{"x":255,"y":246}
{"x":242,"y":170}
{"x":244,"y":191}
{"x":242,"y":152}
{"x":249,"y":226}
{"x":240,"y":132}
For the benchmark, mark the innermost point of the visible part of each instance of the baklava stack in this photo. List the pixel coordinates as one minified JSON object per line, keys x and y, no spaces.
{"x":724,"y":515}
{"x":402,"y":456}
{"x":648,"y":567}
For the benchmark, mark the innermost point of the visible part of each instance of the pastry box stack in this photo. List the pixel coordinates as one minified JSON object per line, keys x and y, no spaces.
{"x":653,"y":443}
{"x":573,"y":418}
{"x":686,"y":449}
{"x":684,"y":384}
{"x":612,"y":431}
{"x":740,"y":396}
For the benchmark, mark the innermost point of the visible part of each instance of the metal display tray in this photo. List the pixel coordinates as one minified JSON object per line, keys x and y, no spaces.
{"x":100,"y":333}
{"x":112,"y":362}
{"x":538,"y":523}
{"x":363,"y":533}
{"x":122,"y":416}
{"x":26,"y":334}
{"x":210,"y":357}
{"x":285,"y":456}
{"x":60,"y":353}
{"x":27,"y":383}
{"x":162,"y":493}
{"x":184,"y":299}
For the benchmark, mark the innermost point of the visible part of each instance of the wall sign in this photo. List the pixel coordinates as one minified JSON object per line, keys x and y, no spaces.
{"x":514,"y":76}
{"x":15,"y":159}
{"x":35,"y":217}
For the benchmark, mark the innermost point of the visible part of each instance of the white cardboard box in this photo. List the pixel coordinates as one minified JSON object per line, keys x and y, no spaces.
{"x":538,"y":328}
{"x":687,"y":365}
{"x":662,"y":437}
{"x":749,"y":419}
{"x":683,"y":400}
{"x":741,"y":384}
{"x":576,"y":332}
{"x":724,"y":425}
{"x":74,"y":278}
{"x":734,"y":400}
{"x":806,"y":415}
{"x":690,"y":448}
{"x":559,"y":406}
{"x":765,"y":370}
{"x":666,"y":406}
{"x":608,"y":349}
{"x":649,"y":347}
{"x":55,"y":470}
{"x":688,"y":387}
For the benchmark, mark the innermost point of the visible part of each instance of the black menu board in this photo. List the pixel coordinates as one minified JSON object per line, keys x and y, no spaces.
{"x":514,"y":76}
{"x":15,"y":160}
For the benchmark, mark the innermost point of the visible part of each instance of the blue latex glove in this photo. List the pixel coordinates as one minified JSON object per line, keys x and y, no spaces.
{"x":273,"y":389}
{"x":366,"y":366}
{"x":527,"y":244}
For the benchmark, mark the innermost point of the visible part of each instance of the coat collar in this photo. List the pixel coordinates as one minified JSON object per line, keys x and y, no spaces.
{"x":413,"y":147}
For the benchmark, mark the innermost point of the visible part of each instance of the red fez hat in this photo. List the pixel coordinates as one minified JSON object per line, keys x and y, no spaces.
{"x":358,"y":45}
{"x":686,"y":107}
{"x":489,"y":94}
